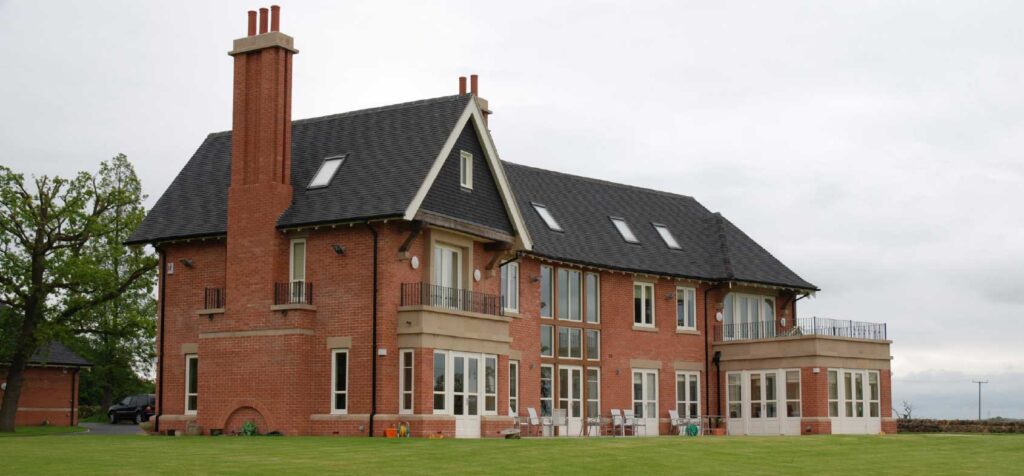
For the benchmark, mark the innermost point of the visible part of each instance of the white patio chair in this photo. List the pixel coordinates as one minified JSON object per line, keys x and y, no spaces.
{"x":677,"y":423}
{"x":532,"y":420}
{"x":559,"y":417}
{"x":618,"y":422}
{"x":635,"y":423}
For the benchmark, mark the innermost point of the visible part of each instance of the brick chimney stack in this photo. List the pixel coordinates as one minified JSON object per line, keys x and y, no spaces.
{"x":261,"y":150}
{"x":474,"y":89}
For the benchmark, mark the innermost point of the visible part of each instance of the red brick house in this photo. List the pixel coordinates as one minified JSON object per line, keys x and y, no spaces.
{"x":50,"y":389}
{"x":341,"y":274}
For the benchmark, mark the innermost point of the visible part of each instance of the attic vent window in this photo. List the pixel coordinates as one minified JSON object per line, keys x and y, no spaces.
{"x":546,"y":216}
{"x":666,"y":235}
{"x":326,"y":172}
{"x":624,"y":230}
{"x":466,"y":169}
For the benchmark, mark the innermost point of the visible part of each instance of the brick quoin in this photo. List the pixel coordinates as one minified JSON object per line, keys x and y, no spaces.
{"x":272,"y":365}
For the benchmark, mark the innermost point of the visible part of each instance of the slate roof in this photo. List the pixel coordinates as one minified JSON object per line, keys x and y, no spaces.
{"x":55,"y":353}
{"x":711,"y":246}
{"x":390,"y":151}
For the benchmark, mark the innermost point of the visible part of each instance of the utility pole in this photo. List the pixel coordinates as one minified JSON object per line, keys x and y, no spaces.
{"x":979,"y":382}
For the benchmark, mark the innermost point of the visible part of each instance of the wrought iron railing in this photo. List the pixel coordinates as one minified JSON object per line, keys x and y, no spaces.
{"x":213,"y":298}
{"x":817,"y":326}
{"x":295,"y":292}
{"x":424,"y":294}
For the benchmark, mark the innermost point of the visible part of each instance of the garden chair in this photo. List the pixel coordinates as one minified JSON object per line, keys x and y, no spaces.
{"x":558,"y":418}
{"x":676,"y":423}
{"x":634,"y":423}
{"x":618,"y":422}
{"x":531,"y":421}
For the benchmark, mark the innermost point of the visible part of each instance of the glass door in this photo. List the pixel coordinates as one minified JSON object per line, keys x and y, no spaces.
{"x":645,"y":399}
{"x":466,"y":395}
{"x":447,"y":277}
{"x":570,"y":399}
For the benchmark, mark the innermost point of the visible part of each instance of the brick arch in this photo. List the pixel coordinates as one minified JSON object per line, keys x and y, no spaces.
{"x":244,"y":409}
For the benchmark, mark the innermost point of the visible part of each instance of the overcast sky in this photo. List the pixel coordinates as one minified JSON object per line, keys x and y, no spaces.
{"x":875,"y":148}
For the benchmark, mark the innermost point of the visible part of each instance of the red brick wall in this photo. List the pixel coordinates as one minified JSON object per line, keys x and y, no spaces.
{"x":46,"y":395}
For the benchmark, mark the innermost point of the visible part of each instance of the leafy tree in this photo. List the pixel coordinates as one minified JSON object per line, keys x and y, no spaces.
{"x":60,"y":272}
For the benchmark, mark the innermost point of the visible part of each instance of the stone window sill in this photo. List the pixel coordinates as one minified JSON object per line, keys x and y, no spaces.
{"x":645,"y":328}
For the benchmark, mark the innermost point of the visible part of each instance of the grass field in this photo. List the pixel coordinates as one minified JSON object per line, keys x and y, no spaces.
{"x":897,"y":454}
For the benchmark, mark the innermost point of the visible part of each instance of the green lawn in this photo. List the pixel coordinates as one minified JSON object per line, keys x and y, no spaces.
{"x":896,"y":454}
{"x":41,"y":430}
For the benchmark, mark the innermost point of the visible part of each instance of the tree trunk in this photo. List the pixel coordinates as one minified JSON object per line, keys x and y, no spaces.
{"x":15,"y":379}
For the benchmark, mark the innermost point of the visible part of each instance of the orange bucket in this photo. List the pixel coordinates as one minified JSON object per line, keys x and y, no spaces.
{"x":390,"y":433}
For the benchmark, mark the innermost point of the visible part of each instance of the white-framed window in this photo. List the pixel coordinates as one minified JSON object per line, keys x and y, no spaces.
{"x":405,"y":381}
{"x":688,"y":394}
{"x":545,"y":215}
{"x":592,"y":290}
{"x":547,"y":373}
{"x":643,"y":304}
{"x":466,"y":169}
{"x":734,"y":392}
{"x":490,"y":385}
{"x":593,"y":344}
{"x":326,"y":172}
{"x":339,"y":381}
{"x":440,"y":381}
{"x":547,"y":341}
{"x":793,"y":393}
{"x":624,"y":230}
{"x":569,"y":295}
{"x":570,"y":342}
{"x":547,"y":289}
{"x":756,"y":396}
{"x":666,"y":236}
{"x":686,"y":308}
{"x":510,"y":286}
{"x":297,"y":270}
{"x":513,"y":387}
{"x":833,"y":393}
{"x":593,"y":392}
{"x":873,"y":394}
{"x":748,"y":316}
{"x":191,"y":384}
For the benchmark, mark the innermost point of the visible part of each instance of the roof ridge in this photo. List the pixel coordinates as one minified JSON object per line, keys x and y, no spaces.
{"x":606,"y":182}
{"x":369,"y":110}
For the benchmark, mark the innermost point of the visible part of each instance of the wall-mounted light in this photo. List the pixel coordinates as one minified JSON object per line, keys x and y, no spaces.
{"x":534,"y":279}
{"x":187,"y":263}
{"x":669,"y":296}
{"x":338,"y":249}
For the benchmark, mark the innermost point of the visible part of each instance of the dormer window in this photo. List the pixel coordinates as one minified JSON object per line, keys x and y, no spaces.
{"x":546,"y":216}
{"x":624,"y":230}
{"x":326,"y":172}
{"x":466,"y":169}
{"x":666,"y":235}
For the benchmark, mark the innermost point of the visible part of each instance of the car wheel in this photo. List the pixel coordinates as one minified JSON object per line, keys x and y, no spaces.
{"x":138,"y":418}
{"x":113,"y":418}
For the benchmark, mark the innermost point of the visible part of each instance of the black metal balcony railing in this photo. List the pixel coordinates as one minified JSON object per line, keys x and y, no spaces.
{"x":296,"y":292}
{"x":213,"y":298}
{"x":817,"y":326}
{"x":424,"y":294}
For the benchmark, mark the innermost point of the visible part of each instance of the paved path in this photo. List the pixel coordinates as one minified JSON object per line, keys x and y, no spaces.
{"x":123,"y":428}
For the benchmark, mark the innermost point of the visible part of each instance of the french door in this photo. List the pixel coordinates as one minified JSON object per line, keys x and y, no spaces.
{"x":570,"y":398}
{"x":447,"y":276}
{"x":645,"y":399}
{"x":466,"y":394}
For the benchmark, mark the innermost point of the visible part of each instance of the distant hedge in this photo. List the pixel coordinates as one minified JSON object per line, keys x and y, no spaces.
{"x":960,"y":426}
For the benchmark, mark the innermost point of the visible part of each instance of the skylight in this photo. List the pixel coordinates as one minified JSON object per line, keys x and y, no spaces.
{"x":546,"y":216}
{"x":666,"y":235}
{"x":326,"y":172}
{"x":624,"y":230}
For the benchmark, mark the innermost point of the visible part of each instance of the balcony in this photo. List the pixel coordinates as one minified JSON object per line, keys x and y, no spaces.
{"x":293,"y":293}
{"x":808,"y":342}
{"x":429,"y":295}
{"x":445,"y":318}
{"x":808,"y":326}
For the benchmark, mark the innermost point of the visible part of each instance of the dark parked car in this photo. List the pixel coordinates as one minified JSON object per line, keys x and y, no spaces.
{"x":137,"y":408}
